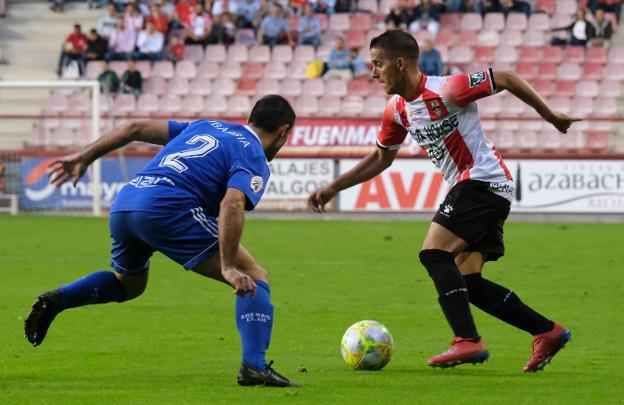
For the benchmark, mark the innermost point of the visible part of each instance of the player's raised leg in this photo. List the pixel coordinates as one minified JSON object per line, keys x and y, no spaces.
{"x":437,"y":255}
{"x":504,"y":304}
{"x":254,"y":320}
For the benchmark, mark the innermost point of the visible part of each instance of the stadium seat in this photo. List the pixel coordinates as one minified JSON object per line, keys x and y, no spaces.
{"x":328,"y":106}
{"x":447,"y":20}
{"x":267,"y":86}
{"x":200,"y":86}
{"x":374,"y":106}
{"x":313,"y":87}
{"x":471,"y":21}
{"x":246,"y":37}
{"x":94,"y":68}
{"x":306,"y":106}
{"x":253,"y":70}
{"x":246,"y":87}
{"x":567,"y":7}
{"x":494,"y":21}
{"x":324,"y":20}
{"x":516,"y":21}
{"x":539,"y":22}
{"x":527,"y":140}
{"x":597,"y":140}
{"x":215,"y":105}
{"x":511,"y":38}
{"x":565,"y":88}
{"x":574,"y":140}
{"x":460,"y":54}
{"x":547,"y":71}
{"x":215,"y":53}
{"x":38,"y":136}
{"x":223,"y":87}
{"x":193,"y":104}
{"x":375,"y":88}
{"x":169,"y":105}
{"x":323,"y":51}
{"x":336,"y":87}
{"x":504,"y":139}
{"x":238,"y":105}
{"x":616,"y":55}
{"x":551,"y":54}
{"x":505,"y":54}
{"x":291,"y":87}
{"x":587,"y":88}
{"x":530,"y":54}
{"x":79,"y":104}
{"x":445,"y":37}
{"x":148,"y":104}
{"x":610,"y":88}
{"x":489,"y":105}
{"x":361,"y":21}
{"x":513,"y":106}
{"x":124,"y":104}
{"x":483,"y":55}
{"x":593,"y":71}
{"x":62,"y":137}
{"x":582,"y":106}
{"x":528,"y":70}
{"x":533,"y":38}
{"x":118,"y":67}
{"x":488,"y":126}
{"x":186,"y":69}
{"x":71,"y":123}
{"x":352,"y":106}
{"x":597,"y":55}
{"x":194,"y":53}
{"x":237,"y":53}
{"x":569,"y":71}
{"x":208,"y":70}
{"x":488,"y":38}
{"x":282,"y":53}
{"x":574,"y":54}
{"x":145,"y":68}
{"x":468,"y":38}
{"x":614,"y":72}
{"x":359,"y":87}
{"x":261,"y":54}
{"x":231,"y":70}
{"x":297,"y":70}
{"x":155,"y":85}
{"x":561,"y":104}
{"x":275,"y":70}
{"x":339,"y":22}
{"x":606,"y":106}
{"x":551,"y":139}
{"x":164,"y":69}
{"x":303,"y":53}
{"x":177,"y":86}
{"x":355,"y":38}
{"x":547,"y":6}
{"x":369,"y":6}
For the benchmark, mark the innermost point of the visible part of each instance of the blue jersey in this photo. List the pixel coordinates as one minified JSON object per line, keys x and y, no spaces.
{"x":199,"y":163}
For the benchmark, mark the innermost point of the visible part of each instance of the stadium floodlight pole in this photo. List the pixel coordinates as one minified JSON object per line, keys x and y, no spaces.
{"x":96,"y":174}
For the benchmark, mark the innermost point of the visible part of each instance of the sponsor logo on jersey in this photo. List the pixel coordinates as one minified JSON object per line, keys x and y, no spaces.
{"x":477,"y":78}
{"x":435,"y":131}
{"x":256,"y":184}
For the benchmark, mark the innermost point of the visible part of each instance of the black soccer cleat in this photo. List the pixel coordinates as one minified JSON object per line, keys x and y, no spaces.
{"x":248,"y":376}
{"x":43,"y":312}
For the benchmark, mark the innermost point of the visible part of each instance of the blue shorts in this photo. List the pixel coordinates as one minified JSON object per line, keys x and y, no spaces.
{"x":187,"y":237}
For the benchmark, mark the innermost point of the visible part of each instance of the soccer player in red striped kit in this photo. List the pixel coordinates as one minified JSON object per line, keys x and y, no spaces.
{"x":441,"y":115}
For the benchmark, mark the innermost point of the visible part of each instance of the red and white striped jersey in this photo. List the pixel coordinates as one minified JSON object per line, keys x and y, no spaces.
{"x":443,"y":119}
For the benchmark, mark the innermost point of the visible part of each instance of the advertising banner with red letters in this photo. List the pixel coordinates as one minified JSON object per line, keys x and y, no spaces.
{"x":557,"y":186}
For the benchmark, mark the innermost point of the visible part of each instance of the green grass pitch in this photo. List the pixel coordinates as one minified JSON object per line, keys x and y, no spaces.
{"x":178,"y":342}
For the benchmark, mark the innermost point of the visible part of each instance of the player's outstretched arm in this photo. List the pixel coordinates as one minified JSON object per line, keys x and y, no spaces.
{"x":231,"y":220}
{"x":74,"y":166}
{"x":366,"y":169}
{"x":520,"y":88}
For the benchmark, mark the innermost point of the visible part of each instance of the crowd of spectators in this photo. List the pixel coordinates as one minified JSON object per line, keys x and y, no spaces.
{"x":586,"y":30}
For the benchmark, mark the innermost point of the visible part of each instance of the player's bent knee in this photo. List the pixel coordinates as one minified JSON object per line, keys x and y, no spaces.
{"x":133,"y":286}
{"x":430,"y":258}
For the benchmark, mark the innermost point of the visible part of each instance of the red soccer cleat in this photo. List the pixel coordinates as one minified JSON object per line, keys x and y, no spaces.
{"x":462,"y":351}
{"x":545,"y":346}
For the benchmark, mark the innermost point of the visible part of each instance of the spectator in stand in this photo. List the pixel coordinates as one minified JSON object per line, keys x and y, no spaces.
{"x":578,"y":30}
{"x":132,"y":81}
{"x":516,"y":6}
{"x":132,"y":17}
{"x":401,"y":15}
{"x":109,"y":82}
{"x":609,"y":6}
{"x":323,"y":6}
{"x":183,"y":11}
{"x":430,"y":61}
{"x":461,"y":6}
{"x":426,"y":17}
{"x":120,"y":5}
{"x":97,"y":46}
{"x":358,"y":66}
{"x":220,"y":33}
{"x":175,"y":51}
{"x":247,"y":13}
{"x":600,"y":29}
{"x":274,"y":28}
{"x":199,"y":29}
{"x":309,"y":27}
{"x":107,"y":23}
{"x":73,"y":49}
{"x":230,"y":27}
{"x":339,"y":63}
{"x":160,"y":20}
{"x":265,"y":9}
{"x":122,"y":42}
{"x":150,"y":44}
{"x":224,"y":6}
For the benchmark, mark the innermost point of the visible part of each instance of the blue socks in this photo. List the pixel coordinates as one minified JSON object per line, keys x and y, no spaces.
{"x":254,"y":320}
{"x":96,"y":288}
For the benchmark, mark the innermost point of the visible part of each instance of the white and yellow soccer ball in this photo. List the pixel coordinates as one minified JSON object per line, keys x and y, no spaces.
{"x":367,"y":345}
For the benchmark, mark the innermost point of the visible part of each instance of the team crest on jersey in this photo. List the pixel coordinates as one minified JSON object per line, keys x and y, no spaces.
{"x":436,"y":108}
{"x":477,"y":78}
{"x":256,"y":184}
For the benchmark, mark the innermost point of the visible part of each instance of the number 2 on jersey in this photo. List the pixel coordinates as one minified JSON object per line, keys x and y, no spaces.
{"x":206,"y":145}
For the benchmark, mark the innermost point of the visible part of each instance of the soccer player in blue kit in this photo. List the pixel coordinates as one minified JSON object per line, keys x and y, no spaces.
{"x":187,"y":203}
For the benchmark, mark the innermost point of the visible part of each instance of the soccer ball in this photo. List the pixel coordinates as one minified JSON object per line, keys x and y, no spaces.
{"x":367,"y":345}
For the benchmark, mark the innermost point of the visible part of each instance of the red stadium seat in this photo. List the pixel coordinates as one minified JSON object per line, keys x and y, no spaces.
{"x":361,"y":20}
{"x":313,"y":87}
{"x":605,"y":106}
{"x":275,"y":70}
{"x":610,"y":88}
{"x":224,"y":86}
{"x":297,"y":70}
{"x":215,"y":105}
{"x":164,"y":69}
{"x":303,"y":53}
{"x":587,"y":88}
{"x":569,"y":71}
{"x":237,"y":53}
{"x":194,"y":53}
{"x":566,"y":88}
{"x":282,"y":53}
{"x":551,"y":54}
{"x":547,"y":6}
{"x":489,"y":38}
{"x":544,"y":87}
{"x":484,"y":54}
{"x":260,"y":54}
{"x":516,"y":21}
{"x":494,"y":21}
{"x":290,"y":87}
{"x":582,"y":106}
{"x":560,"y":103}
{"x":445,"y":37}
{"x":528,"y":70}
{"x":534,"y":38}
{"x":530,"y":54}
{"x":548,"y":71}
{"x":352,"y":106}
{"x":461,"y":54}
{"x":339,"y":22}
{"x":597,"y":55}
{"x":238,"y":105}
{"x":267,"y":86}
{"x":468,"y":38}
{"x":186,"y":69}
{"x":336,"y":87}
{"x":231,"y":70}
{"x":450,"y":20}
{"x":368,"y":5}
{"x":592,"y":71}
{"x":539,"y":22}
{"x":355,"y":38}
{"x":246,"y":87}
{"x":155,"y":85}
{"x":574,"y":54}
{"x":567,"y":7}
{"x":375,"y":88}
{"x":208,"y":70}
{"x":374,"y":106}
{"x":200,"y":86}
{"x":177,"y":86}
{"x":505,"y":54}
{"x":215,"y":53}
{"x":193,"y":104}
{"x":616,"y":55}
{"x":253,"y":70}
{"x":614,"y":72}
{"x":306,"y":106}
{"x":511,"y":38}
{"x":246,"y":37}
{"x":597,"y":140}
{"x":359,"y":87}
{"x":471,"y":21}
{"x":148,"y":104}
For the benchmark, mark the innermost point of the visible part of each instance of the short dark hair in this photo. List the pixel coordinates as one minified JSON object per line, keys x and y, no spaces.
{"x":398,"y":43}
{"x":271,"y":112}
